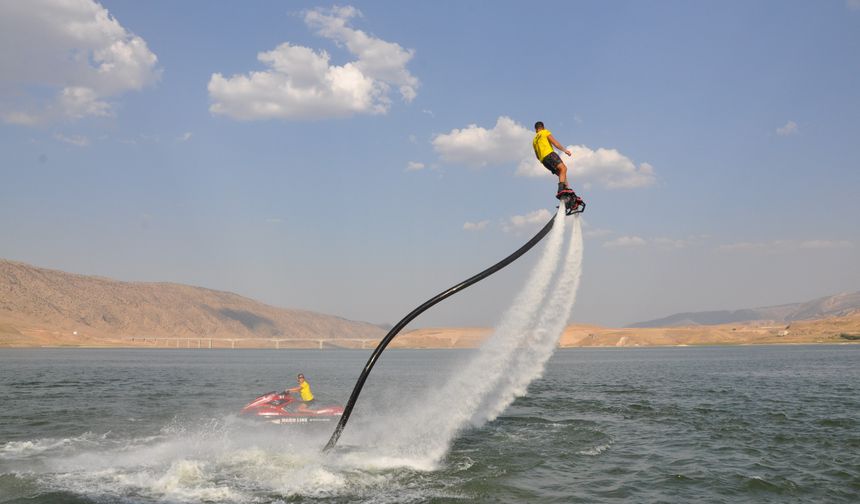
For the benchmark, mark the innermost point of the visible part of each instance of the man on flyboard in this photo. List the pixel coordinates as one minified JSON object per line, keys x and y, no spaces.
{"x":544,"y":145}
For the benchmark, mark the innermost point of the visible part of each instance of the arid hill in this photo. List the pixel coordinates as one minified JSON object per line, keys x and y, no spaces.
{"x":41,"y":307}
{"x":46,"y":307}
{"x":839,"y":305}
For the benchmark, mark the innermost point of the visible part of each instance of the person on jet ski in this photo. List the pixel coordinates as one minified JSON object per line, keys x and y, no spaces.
{"x":304,"y":390}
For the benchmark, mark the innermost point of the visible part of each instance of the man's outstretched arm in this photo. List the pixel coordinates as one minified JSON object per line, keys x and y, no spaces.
{"x":557,"y":145}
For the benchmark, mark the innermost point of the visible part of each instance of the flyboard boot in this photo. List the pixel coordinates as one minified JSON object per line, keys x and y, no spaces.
{"x":573,"y":204}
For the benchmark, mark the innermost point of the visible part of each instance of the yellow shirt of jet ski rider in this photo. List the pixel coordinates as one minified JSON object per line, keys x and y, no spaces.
{"x":305,"y":391}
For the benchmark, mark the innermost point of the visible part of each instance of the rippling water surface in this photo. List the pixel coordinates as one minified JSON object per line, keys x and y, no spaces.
{"x":716,"y":424}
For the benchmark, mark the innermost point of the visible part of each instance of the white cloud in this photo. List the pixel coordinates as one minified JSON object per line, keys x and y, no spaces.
{"x":415,"y":166}
{"x":477,"y":147}
{"x":597,"y":233}
{"x":76,"y":140}
{"x":184,"y":137}
{"x":825,"y":244}
{"x":520,"y":222}
{"x":79,"y":102}
{"x":790,"y":128}
{"x":21,"y":118}
{"x":302,"y":83}
{"x":380,"y":60}
{"x":143,"y":138}
{"x":673,"y":243}
{"x":774,"y":246}
{"x":476,"y":226}
{"x":144,"y":220}
{"x":605,"y":167}
{"x":740,"y":246}
{"x":65,"y":60}
{"x":625,"y":242}
{"x":508,"y":142}
{"x":663,"y":243}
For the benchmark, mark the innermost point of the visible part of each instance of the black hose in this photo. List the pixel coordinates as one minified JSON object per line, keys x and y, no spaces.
{"x":417,"y":311}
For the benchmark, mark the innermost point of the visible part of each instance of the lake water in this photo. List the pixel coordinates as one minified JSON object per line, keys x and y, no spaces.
{"x":714,"y":424}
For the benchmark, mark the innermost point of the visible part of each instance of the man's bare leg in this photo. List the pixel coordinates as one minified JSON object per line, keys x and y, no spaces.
{"x":562,"y":175}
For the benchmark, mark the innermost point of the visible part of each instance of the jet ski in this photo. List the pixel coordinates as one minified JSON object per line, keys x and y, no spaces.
{"x":283,"y":408}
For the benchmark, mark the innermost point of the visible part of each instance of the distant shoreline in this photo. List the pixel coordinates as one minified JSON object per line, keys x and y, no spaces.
{"x":834,"y":330}
{"x":404,"y":342}
{"x":613,"y":347}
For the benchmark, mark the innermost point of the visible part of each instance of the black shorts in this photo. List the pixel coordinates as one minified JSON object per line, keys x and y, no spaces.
{"x":551,"y":162}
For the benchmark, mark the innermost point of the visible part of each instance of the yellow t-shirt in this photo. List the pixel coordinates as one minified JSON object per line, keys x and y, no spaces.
{"x":541,"y":144}
{"x":305,"y":391}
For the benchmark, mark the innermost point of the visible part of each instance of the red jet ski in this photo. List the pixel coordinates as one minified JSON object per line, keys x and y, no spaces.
{"x":282,"y":408}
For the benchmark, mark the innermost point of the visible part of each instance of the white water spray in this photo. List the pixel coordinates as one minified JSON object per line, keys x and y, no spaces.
{"x":538,"y":345}
{"x":506,"y":363}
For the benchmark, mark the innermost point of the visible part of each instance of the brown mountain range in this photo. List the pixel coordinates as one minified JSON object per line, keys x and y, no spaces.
{"x":42,"y":307}
{"x":47,"y":307}
{"x":838,"y":305}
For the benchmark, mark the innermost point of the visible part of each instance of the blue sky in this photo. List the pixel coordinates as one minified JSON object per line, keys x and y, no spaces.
{"x":358,"y":158}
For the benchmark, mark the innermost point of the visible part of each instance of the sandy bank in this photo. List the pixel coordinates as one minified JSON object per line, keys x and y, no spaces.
{"x":831,"y":330}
